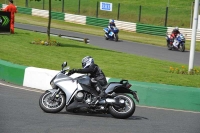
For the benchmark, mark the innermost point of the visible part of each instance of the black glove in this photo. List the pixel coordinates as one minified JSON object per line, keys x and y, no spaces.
{"x":72,"y":71}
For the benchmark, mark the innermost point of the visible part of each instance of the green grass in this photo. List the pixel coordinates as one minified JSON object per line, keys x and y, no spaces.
{"x":16,"y":48}
{"x":153,"y":11}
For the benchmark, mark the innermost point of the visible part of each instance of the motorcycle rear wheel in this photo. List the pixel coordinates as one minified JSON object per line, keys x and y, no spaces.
{"x":51,"y":106}
{"x":125,"y":112}
{"x":169,"y":46}
{"x":106,"y":37}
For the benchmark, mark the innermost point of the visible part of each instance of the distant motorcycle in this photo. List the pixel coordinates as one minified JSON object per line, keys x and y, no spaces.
{"x":180,"y":40}
{"x":112,"y":35}
{"x":77,"y":94}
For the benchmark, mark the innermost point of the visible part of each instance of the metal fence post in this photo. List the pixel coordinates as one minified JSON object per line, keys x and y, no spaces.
{"x":26,"y":3}
{"x":63,"y":5}
{"x":79,"y":4}
{"x":43,"y":5}
{"x":118,"y":11}
{"x":140,"y":10}
{"x":97,"y":9}
{"x":166,"y":15}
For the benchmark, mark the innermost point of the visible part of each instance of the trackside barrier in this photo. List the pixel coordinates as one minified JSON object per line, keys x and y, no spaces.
{"x":4,"y":5}
{"x":78,"y":19}
{"x":97,"y":21}
{"x":58,"y":15}
{"x":150,"y":29}
{"x":40,"y":13}
{"x":24,"y":10}
{"x":45,"y":14}
{"x":13,"y":73}
{"x":127,"y":26}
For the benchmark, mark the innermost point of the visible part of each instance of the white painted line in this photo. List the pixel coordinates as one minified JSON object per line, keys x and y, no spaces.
{"x":21,"y":88}
{"x":168,"y":109}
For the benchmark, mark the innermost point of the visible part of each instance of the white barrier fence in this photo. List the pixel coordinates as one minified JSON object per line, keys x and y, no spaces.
{"x":127,"y":26}
{"x":78,"y":19}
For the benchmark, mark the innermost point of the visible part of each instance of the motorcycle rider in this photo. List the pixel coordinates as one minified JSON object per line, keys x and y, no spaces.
{"x":111,"y":25}
{"x":173,"y":36}
{"x":97,"y":76}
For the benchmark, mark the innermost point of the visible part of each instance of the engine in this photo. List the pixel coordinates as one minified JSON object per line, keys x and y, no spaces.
{"x":83,"y":97}
{"x":79,"y":96}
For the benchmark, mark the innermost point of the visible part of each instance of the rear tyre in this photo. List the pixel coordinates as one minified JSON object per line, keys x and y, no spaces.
{"x":126,"y":111}
{"x":51,"y":106}
{"x":106,"y":37}
{"x":169,"y":46}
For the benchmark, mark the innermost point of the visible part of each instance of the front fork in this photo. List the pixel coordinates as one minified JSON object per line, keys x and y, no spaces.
{"x":55,"y":94}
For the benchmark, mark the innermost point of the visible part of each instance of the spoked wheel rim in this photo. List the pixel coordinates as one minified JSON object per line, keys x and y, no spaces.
{"x":128,"y":104}
{"x":52,"y":104}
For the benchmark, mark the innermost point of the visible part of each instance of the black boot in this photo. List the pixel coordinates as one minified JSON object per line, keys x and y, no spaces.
{"x":95,"y":100}
{"x":103,"y":94}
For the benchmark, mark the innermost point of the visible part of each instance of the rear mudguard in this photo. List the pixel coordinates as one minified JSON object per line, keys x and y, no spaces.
{"x":121,"y":89}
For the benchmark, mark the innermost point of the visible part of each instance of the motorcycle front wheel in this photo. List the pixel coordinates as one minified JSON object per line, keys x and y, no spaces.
{"x":116,"y":38}
{"x":124,"y":112}
{"x":52,"y":106}
{"x":182,"y":48}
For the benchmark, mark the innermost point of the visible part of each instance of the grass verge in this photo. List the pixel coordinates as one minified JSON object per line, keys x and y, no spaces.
{"x":16,"y":48}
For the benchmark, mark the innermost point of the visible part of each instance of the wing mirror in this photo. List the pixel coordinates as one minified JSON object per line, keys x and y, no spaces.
{"x":64,"y":64}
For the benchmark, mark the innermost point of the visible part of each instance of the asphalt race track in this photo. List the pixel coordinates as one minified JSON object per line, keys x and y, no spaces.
{"x":20,"y":113}
{"x":157,"y":52}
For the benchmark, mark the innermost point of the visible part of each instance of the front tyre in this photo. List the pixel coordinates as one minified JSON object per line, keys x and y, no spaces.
{"x":52,"y":106}
{"x":182,"y":48}
{"x":124,"y":112}
{"x":116,"y":38}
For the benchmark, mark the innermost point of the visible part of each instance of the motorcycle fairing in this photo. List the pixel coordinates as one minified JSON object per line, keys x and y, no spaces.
{"x":88,"y":89}
{"x":111,"y":33}
{"x":105,"y":30}
{"x":65,"y":82}
{"x":84,"y":80}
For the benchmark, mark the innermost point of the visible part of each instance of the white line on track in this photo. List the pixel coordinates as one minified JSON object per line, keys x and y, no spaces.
{"x":35,"y":90}
{"x":22,"y":88}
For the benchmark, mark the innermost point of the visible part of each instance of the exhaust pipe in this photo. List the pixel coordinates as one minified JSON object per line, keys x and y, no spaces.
{"x":114,"y":102}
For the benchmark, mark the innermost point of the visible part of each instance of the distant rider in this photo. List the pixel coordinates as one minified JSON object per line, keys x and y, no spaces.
{"x":111,"y":25}
{"x":97,"y":76}
{"x":173,"y":36}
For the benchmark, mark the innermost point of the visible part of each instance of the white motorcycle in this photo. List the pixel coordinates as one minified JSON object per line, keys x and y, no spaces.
{"x":77,"y":95}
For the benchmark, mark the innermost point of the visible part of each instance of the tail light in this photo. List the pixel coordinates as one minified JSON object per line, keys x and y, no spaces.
{"x":128,"y":86}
